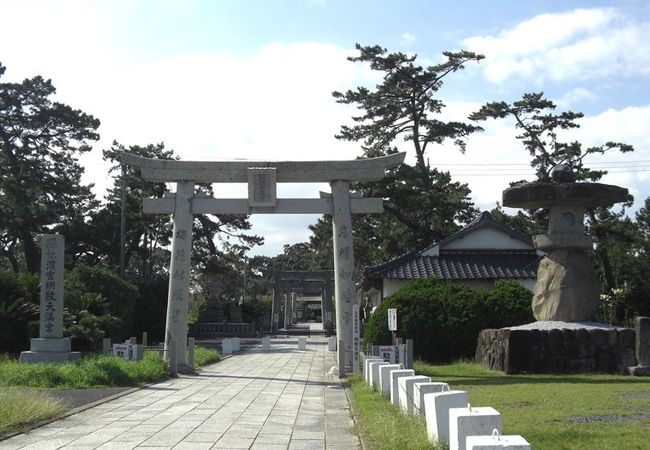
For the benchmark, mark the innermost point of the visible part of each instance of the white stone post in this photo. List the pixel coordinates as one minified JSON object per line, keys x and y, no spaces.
{"x":179,"y":279}
{"x":343,"y":270}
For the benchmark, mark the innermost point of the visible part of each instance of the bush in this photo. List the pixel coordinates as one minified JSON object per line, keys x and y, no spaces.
{"x":18,"y":306}
{"x":444,"y":319}
{"x":120,"y":296}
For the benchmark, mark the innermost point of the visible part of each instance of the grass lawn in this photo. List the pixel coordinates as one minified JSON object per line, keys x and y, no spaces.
{"x":20,"y":407}
{"x":587,"y":412}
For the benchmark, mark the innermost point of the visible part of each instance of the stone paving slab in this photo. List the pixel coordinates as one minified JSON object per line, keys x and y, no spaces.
{"x":280,"y":399}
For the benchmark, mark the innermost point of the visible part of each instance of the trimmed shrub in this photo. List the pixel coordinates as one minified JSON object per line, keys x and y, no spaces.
{"x":444,"y":319}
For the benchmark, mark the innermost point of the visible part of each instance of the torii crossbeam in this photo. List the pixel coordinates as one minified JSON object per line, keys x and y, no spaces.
{"x":262,"y":178}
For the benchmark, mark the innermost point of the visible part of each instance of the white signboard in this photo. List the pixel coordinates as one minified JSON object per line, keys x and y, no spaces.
{"x":392,"y":319}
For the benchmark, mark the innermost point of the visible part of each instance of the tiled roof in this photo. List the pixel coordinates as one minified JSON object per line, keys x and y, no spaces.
{"x":460,"y":265}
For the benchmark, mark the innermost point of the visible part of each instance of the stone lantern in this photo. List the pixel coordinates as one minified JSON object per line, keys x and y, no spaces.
{"x":567,"y":288}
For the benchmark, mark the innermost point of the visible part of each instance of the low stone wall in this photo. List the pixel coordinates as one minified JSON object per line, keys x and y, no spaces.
{"x":207,"y":330}
{"x":568,"y":350}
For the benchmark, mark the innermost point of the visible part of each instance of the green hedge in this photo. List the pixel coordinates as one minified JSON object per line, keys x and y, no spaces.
{"x":444,"y":319}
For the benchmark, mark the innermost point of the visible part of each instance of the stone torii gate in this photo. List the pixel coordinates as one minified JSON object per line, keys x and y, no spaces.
{"x":262,"y":179}
{"x":284,"y":280}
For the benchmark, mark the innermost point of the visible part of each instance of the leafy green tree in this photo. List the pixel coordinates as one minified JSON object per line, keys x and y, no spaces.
{"x":422,"y":204}
{"x":617,"y":237}
{"x":404,"y":104}
{"x":40,"y":177}
{"x":540,"y":127}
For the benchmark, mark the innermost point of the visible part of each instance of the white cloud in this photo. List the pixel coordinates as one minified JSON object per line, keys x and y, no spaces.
{"x":582,"y":44}
{"x":574,"y":96}
{"x":407,"y":39}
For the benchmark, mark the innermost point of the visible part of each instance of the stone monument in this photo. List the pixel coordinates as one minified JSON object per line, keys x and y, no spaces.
{"x":51,"y":346}
{"x":642,"y":348}
{"x":567,"y":288}
{"x":567,"y":291}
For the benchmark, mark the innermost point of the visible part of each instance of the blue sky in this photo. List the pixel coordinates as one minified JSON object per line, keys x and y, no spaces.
{"x":252,"y":79}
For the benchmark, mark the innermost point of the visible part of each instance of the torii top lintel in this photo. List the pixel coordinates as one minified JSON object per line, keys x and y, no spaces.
{"x":165,"y":170}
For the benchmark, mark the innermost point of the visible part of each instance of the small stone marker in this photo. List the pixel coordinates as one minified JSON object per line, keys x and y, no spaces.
{"x":497,"y":442}
{"x":374,"y":373}
{"x":190,"y":351}
{"x":425,"y":388}
{"x":395,"y":375}
{"x":384,"y":378}
{"x":226,"y":347}
{"x":51,"y":346}
{"x":331,"y":343}
{"x":642,"y":348}
{"x":302,"y":344}
{"x":436,"y":412}
{"x":266,"y":343}
{"x":236,"y":344}
{"x":407,"y":391}
{"x":366,"y":365}
{"x":470,"y":421}
{"x":106,"y":346}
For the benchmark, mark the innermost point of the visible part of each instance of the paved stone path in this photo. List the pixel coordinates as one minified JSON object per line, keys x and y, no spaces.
{"x":281,"y":399}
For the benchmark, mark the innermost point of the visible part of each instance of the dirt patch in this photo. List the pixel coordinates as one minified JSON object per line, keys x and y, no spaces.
{"x":74,"y":398}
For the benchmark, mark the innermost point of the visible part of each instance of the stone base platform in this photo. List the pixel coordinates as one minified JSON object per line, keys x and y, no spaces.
{"x":639,"y":371}
{"x":53,"y":350}
{"x":557,"y":347}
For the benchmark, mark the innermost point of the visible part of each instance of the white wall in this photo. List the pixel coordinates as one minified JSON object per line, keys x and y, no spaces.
{"x":487,"y":238}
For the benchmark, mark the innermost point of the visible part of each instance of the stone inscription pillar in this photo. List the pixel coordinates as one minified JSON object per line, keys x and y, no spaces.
{"x":179,"y":280}
{"x":343,"y":269}
{"x":51,"y":346}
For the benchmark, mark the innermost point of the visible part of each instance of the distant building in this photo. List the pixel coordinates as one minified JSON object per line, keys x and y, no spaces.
{"x":480,"y":254}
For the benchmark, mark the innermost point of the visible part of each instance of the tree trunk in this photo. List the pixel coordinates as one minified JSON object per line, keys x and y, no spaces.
{"x":32,"y":253}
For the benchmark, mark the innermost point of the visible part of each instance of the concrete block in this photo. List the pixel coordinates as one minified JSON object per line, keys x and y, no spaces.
{"x":236,"y":344}
{"x":331,"y":343}
{"x":436,"y":412}
{"x":425,"y":388}
{"x":226,"y":347}
{"x":497,"y":442}
{"x":266,"y":343}
{"x":374,"y":373}
{"x":367,"y":360}
{"x":384,"y":378}
{"x":468,"y":421}
{"x":302,"y":344}
{"x":395,"y":375}
{"x":406,"y":391}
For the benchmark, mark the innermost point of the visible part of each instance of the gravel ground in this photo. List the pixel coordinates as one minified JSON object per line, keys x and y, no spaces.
{"x":74,"y":398}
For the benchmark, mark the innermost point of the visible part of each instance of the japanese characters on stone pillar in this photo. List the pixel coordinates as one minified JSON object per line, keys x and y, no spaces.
{"x":51,"y":346}
{"x":356,"y":344}
{"x":343,"y":269}
{"x":179,"y":280}
{"x":51,"y":311}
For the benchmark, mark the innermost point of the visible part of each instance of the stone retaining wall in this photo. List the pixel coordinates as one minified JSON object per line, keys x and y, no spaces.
{"x":557,"y":350}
